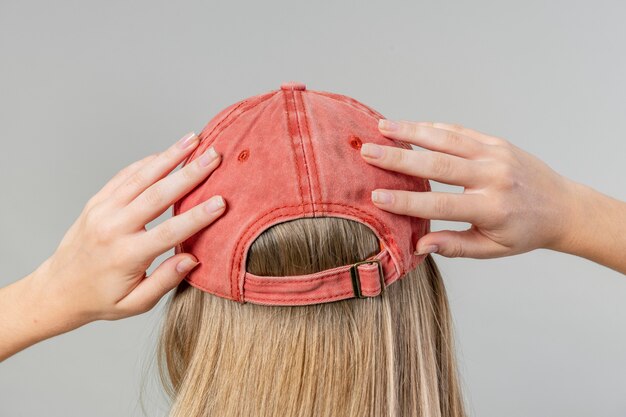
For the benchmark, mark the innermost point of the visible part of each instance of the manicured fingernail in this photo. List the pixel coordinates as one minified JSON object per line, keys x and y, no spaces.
{"x":209,"y":156}
{"x":371,"y":150}
{"x":186,"y":265}
{"x":381,"y":197}
{"x":427,"y":249}
{"x":215,"y":204}
{"x":187,"y":140}
{"x":388,"y":125}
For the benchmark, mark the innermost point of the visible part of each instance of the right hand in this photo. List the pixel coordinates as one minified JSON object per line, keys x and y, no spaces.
{"x":99,"y":269}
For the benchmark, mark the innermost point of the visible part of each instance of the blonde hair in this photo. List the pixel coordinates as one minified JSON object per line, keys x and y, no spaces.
{"x":390,"y":355}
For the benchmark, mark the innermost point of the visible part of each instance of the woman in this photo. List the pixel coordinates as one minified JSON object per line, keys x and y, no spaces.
{"x":98,"y":271}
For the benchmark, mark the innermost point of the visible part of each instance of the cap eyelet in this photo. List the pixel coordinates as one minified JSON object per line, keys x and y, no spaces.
{"x":355,"y":142}
{"x":243,"y":155}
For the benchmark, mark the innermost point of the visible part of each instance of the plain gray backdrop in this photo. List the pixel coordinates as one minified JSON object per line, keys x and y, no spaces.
{"x":86,"y":88}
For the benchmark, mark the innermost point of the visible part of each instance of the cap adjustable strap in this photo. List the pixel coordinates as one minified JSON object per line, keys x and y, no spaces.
{"x":359,"y":280}
{"x":356,"y":280}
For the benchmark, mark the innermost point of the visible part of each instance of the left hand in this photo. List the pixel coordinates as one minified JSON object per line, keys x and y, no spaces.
{"x":514,"y":201}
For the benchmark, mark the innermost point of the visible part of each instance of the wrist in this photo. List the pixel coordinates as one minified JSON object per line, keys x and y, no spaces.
{"x":571,"y":219}
{"x":594,"y":226}
{"x":52,"y":299}
{"x":31,"y":313}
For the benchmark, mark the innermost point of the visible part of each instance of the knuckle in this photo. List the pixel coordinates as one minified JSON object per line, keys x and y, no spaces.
{"x":188,"y":173}
{"x":441,"y":206}
{"x":402,"y":203}
{"x":165,"y":233}
{"x":170,"y":153}
{"x":98,"y":225}
{"x":453,"y":139}
{"x":411,"y":130}
{"x":395,"y":156}
{"x":507,"y":176}
{"x":457,"y":126}
{"x":136,"y":180}
{"x":501,"y":211}
{"x":456,"y":250}
{"x":104,"y":231}
{"x":92,"y":202}
{"x":153,"y":196}
{"x":198,"y":215}
{"x":441,"y":165}
{"x":123,"y":254}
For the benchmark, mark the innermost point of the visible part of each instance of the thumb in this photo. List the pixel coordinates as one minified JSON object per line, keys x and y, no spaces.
{"x":469,"y":243}
{"x":163,"y":279}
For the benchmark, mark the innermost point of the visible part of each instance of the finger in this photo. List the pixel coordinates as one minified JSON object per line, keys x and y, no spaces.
{"x":432,"y":205}
{"x":433,"y":138}
{"x":471,"y":133}
{"x":438,"y":166}
{"x":468,"y":243}
{"x":159,"y":196}
{"x":171,"y":232}
{"x":162,"y":280}
{"x":156,"y":169}
{"x":106,"y":191}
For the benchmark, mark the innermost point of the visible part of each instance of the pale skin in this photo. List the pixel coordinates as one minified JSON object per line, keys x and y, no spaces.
{"x":514,"y":201}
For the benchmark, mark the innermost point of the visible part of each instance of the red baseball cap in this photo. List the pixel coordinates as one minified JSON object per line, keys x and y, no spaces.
{"x":293,"y":153}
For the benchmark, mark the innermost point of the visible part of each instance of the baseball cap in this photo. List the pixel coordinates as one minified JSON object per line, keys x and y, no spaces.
{"x":294,"y":153}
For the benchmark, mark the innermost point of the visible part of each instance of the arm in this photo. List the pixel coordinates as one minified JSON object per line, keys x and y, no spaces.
{"x":597,"y":229}
{"x":98,"y":272}
{"x":514,"y":201}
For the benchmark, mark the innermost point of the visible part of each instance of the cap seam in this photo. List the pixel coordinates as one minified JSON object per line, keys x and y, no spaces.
{"x":357,"y":105}
{"x":304,"y":153}
{"x":350,"y":101}
{"x":310,"y":137}
{"x":216,"y":132}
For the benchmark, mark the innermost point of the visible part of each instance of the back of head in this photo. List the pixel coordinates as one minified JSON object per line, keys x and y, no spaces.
{"x":390,"y":355}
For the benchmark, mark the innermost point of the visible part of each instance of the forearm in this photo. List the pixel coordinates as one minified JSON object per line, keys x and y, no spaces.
{"x":31,"y":311}
{"x":596,"y":228}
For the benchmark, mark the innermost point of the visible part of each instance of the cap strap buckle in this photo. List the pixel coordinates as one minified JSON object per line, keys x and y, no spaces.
{"x":356,"y":281}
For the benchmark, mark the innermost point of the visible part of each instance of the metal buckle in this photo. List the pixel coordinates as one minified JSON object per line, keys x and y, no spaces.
{"x":356,"y":280}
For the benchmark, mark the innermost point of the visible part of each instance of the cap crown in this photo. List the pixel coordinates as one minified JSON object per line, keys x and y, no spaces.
{"x":287,"y":154}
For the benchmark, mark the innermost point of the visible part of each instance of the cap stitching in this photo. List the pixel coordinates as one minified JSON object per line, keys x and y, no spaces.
{"x":294,"y":151}
{"x":302,"y":299}
{"x":325,"y":277}
{"x":315,"y":165}
{"x":215,"y":131}
{"x":210,"y":137}
{"x":304,"y":155}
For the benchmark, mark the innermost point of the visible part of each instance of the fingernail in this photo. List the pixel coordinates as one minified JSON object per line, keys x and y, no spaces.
{"x":381,"y":197}
{"x":388,"y":125}
{"x":427,"y":249}
{"x":215,"y":204}
{"x":209,"y":156}
{"x":372,"y":150}
{"x":187,"y":140}
{"x":186,"y":265}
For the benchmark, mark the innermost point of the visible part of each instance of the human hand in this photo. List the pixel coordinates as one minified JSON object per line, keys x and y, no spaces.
{"x":99,"y":269}
{"x":514,"y":201}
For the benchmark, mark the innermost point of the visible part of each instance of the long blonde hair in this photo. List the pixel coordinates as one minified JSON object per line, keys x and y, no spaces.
{"x":390,"y":356}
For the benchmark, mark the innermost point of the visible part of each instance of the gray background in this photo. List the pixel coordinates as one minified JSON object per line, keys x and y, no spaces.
{"x":88,"y":87}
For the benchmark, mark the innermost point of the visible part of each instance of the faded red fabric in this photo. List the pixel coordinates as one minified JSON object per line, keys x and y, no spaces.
{"x":288,"y":154}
